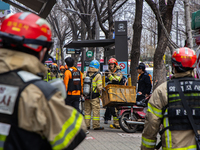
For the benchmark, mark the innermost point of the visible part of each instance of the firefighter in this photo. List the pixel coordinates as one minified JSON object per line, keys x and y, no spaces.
{"x":92,"y":102}
{"x":114,"y":76}
{"x":32,"y":117}
{"x":54,"y":71}
{"x":165,"y":107}
{"x":74,"y":84}
{"x":62,"y":72}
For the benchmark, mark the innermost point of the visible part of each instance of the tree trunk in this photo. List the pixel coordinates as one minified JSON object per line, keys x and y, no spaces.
{"x":159,"y":72}
{"x":135,"y":52}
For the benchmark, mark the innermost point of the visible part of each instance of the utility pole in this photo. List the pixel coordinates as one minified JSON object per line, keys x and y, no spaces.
{"x":83,"y":57}
{"x":97,"y":35}
{"x":188,"y":24}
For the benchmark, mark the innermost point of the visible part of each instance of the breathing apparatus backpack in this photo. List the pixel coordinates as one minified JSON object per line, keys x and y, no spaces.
{"x":75,"y":82}
{"x":88,"y":87}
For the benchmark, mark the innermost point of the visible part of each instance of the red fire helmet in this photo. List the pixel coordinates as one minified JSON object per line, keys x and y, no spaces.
{"x":112,"y":61}
{"x":184,"y":57}
{"x":35,"y":31}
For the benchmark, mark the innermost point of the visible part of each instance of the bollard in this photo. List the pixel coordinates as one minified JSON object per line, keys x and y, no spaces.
{"x":103,"y":80}
{"x":129,"y":80}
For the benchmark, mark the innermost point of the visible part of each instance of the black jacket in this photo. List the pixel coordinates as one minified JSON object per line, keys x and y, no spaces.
{"x":144,"y":84}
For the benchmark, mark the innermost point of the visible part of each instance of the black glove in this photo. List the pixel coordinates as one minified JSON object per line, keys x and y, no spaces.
{"x":107,"y":72}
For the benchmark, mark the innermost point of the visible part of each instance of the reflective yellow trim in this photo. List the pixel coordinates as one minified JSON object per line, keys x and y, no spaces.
{"x":2,"y":140}
{"x":191,"y":147}
{"x":118,"y":78}
{"x":68,"y":132}
{"x":87,"y":117}
{"x":192,"y":94}
{"x":168,"y":135}
{"x":99,"y":82}
{"x":96,"y":118}
{"x":148,"y":143}
{"x":3,"y":137}
{"x":115,"y":118}
{"x":173,"y":95}
{"x":155,"y":111}
{"x":176,"y":100}
{"x":111,"y":78}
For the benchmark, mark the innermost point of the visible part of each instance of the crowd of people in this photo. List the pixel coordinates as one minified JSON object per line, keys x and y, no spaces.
{"x":34,"y":115}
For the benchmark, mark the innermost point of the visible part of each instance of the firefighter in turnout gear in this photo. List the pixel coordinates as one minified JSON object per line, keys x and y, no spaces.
{"x":73,"y":81}
{"x":54,"y":71}
{"x":33,"y":115}
{"x":92,"y":102}
{"x":114,"y":76}
{"x":62,"y":72}
{"x":168,"y":108}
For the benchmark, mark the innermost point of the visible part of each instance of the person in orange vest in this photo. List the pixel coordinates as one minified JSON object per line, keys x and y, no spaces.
{"x":73,"y":81}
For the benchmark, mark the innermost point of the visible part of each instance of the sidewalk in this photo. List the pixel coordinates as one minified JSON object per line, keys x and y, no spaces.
{"x":110,"y":139}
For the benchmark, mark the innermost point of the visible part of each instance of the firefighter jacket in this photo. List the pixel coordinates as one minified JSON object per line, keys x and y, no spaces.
{"x":71,"y":90}
{"x":33,"y":114}
{"x":61,"y":76}
{"x":54,"y":75}
{"x":115,"y":75}
{"x":158,"y":114}
{"x":96,"y":82}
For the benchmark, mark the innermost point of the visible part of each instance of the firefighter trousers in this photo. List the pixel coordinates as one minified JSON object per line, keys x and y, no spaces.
{"x":113,"y":112}
{"x":92,"y":105}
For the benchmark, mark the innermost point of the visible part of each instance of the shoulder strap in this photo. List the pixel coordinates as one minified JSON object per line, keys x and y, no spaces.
{"x":184,"y":103}
{"x":92,"y":77}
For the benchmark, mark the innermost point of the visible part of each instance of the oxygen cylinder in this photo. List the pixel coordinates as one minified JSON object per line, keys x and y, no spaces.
{"x":86,"y":86}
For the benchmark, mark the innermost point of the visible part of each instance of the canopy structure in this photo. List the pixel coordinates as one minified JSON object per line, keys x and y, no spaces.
{"x":39,"y":7}
{"x":91,"y":43}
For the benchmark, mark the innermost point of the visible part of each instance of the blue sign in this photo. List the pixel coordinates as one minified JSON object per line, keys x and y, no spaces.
{"x":124,"y":67}
{"x":4,"y":6}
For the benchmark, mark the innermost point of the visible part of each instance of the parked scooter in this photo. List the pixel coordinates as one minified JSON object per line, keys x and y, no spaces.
{"x":131,"y":118}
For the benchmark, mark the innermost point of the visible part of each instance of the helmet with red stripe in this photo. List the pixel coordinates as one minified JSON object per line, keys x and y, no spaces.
{"x":184,"y":58}
{"x":112,"y":61}
{"x":25,"y":30}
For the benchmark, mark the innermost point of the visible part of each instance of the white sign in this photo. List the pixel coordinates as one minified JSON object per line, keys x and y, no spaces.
{"x":105,"y":67}
{"x":8,"y":97}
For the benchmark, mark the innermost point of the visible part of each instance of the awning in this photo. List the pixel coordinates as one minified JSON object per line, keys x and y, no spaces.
{"x":91,"y":43}
{"x":40,"y":7}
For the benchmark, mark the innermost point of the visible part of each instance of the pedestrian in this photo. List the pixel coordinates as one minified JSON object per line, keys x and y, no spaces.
{"x":114,"y":76}
{"x":73,"y":81}
{"x":92,"y":101}
{"x":169,"y":105}
{"x":144,"y":83}
{"x":33,"y":115}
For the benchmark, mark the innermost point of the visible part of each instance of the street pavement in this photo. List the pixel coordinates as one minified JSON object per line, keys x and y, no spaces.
{"x":110,"y":139}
